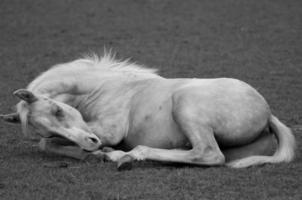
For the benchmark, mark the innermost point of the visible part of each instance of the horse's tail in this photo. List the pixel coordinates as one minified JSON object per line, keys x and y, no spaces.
{"x":285,"y":151}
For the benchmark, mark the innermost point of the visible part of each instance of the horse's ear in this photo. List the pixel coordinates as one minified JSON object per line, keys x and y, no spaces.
{"x":26,"y":95}
{"x":12,"y":118}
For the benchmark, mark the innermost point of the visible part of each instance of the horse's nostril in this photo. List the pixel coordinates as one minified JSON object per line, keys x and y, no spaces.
{"x":94,"y":140}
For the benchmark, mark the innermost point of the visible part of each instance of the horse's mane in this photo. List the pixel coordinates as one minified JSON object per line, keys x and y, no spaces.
{"x":99,"y":64}
{"x":108,"y":61}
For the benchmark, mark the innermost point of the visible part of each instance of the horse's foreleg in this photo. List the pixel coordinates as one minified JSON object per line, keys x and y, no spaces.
{"x":112,"y":155}
{"x":140,"y":153}
{"x":50,"y":145}
{"x":194,"y":156}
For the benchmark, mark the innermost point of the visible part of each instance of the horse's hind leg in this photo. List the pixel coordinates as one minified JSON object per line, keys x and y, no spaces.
{"x":205,"y":150}
{"x":263,"y":145}
{"x":192,"y":121}
{"x":170,"y":155}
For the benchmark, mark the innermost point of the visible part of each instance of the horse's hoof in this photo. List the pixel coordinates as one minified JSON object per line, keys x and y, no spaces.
{"x":106,"y":158}
{"x":125,"y":163}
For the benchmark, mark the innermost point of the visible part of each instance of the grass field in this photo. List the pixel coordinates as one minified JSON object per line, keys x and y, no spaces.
{"x":259,"y":42}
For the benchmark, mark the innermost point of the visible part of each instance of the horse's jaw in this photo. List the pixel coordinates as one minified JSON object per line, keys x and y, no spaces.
{"x":86,"y":141}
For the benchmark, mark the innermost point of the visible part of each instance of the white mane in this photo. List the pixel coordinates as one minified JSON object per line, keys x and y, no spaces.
{"x":109,"y":62}
{"x":98,"y":64}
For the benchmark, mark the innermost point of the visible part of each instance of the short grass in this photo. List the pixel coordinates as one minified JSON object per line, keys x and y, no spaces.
{"x":256,"y":41}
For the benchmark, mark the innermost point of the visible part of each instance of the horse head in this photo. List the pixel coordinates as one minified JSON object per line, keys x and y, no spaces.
{"x":52,"y":118}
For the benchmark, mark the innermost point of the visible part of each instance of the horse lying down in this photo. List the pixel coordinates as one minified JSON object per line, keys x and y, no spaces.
{"x":97,"y":102}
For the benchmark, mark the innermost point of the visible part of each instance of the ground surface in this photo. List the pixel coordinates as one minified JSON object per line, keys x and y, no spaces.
{"x":259,"y":42}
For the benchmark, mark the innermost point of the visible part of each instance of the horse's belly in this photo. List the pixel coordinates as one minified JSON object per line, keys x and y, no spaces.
{"x":158,"y":135}
{"x":152,"y":123}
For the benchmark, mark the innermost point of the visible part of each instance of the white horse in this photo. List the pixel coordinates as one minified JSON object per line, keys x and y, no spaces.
{"x":102,"y":102}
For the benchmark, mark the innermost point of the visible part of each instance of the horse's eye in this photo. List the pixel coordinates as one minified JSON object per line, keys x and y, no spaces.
{"x":59,"y":113}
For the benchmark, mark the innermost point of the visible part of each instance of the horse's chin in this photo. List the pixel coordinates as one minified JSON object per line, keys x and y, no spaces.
{"x":63,"y":141}
{"x":60,"y":140}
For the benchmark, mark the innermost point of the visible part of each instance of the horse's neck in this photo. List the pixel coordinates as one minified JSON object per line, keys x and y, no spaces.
{"x":69,"y":84}
{"x":81,"y":82}
{"x":89,"y":91}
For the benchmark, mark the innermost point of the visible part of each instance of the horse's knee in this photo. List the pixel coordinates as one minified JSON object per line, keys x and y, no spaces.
{"x":209,"y":157}
{"x":139,"y":152}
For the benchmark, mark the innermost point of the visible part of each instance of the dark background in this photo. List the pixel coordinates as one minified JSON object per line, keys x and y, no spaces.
{"x":256,"y":41}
